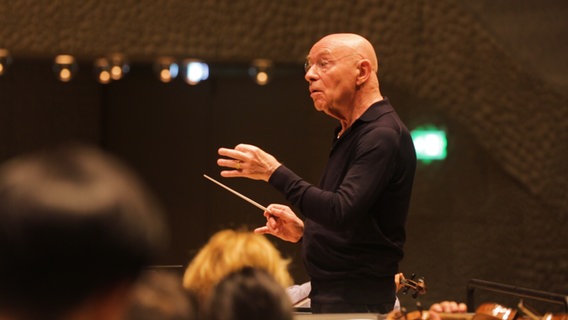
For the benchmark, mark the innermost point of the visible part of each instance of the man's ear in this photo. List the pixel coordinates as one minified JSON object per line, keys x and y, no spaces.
{"x":365,"y":70}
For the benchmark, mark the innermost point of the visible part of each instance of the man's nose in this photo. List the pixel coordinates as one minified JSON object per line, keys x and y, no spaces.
{"x":310,"y":75}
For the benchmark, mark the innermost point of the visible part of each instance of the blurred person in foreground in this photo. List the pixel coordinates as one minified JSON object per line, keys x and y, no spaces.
{"x":249,"y":294}
{"x":228,"y":251}
{"x":159,"y":295}
{"x":76,"y":229}
{"x":355,"y":218}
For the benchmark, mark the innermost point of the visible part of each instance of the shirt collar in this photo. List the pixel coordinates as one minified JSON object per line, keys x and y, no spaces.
{"x":376,"y":110}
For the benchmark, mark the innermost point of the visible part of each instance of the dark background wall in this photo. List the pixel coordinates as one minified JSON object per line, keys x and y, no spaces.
{"x":493,"y":74}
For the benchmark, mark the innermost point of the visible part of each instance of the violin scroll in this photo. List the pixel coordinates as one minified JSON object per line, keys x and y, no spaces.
{"x":404,"y":285}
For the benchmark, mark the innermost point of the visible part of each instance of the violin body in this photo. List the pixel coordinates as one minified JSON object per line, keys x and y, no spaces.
{"x":493,"y":311}
{"x":559,"y":316}
{"x":486,"y":311}
{"x":427,"y":315}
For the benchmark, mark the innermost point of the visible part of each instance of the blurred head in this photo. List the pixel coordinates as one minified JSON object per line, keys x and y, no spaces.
{"x":249,"y":294}
{"x":228,"y":251}
{"x":74,"y":224}
{"x":341,"y":70}
{"x":159,"y":295}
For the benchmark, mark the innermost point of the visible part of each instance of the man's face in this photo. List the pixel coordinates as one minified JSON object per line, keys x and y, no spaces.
{"x":331,"y":72}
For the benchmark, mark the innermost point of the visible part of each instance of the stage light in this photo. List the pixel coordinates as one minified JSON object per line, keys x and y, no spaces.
{"x":102,"y":70}
{"x":261,"y":71}
{"x":65,"y":67}
{"x":195,"y":71}
{"x":118,"y":66}
{"x":5,"y":60}
{"x":430,"y":143}
{"x":166,"y":69}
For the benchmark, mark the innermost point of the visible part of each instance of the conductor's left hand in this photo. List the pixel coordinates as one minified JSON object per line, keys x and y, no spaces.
{"x":247,"y":161}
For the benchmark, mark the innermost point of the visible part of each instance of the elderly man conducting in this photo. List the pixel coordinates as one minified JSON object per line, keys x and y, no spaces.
{"x":353,"y":230}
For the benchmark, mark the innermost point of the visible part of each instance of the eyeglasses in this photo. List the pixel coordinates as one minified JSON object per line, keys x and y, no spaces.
{"x":323,"y":64}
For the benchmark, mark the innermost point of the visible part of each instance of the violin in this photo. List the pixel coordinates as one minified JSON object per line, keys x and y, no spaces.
{"x":427,"y":315}
{"x":534,"y":315}
{"x":404,"y":285}
{"x":486,"y":311}
{"x":494,"y":311}
{"x":558,"y":316}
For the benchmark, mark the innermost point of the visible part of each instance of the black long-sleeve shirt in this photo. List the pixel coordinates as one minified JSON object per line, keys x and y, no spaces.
{"x":355,"y":220}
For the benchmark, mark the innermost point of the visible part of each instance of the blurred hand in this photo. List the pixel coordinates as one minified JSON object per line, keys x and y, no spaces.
{"x":398,"y":278}
{"x":447,"y":307}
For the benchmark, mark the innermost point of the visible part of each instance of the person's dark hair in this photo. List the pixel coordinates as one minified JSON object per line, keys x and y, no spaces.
{"x":249,"y":294}
{"x":74,"y":221}
{"x":159,"y":295}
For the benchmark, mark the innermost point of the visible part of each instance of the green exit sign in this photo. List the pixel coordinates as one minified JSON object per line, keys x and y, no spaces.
{"x":430,"y":143}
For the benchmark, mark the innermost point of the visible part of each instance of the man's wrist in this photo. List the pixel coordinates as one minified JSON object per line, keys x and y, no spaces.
{"x":273,"y":169}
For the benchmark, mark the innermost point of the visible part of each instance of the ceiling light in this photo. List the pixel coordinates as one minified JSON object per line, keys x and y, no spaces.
{"x":261,"y":71}
{"x":65,"y":67}
{"x":5,"y":60}
{"x":166,"y":69}
{"x":195,"y":71}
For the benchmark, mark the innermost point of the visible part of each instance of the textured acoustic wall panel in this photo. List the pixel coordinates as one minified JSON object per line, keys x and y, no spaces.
{"x":434,"y":48}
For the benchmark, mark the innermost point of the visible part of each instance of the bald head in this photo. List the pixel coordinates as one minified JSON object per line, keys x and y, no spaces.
{"x":342,"y":72}
{"x":351,"y":43}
